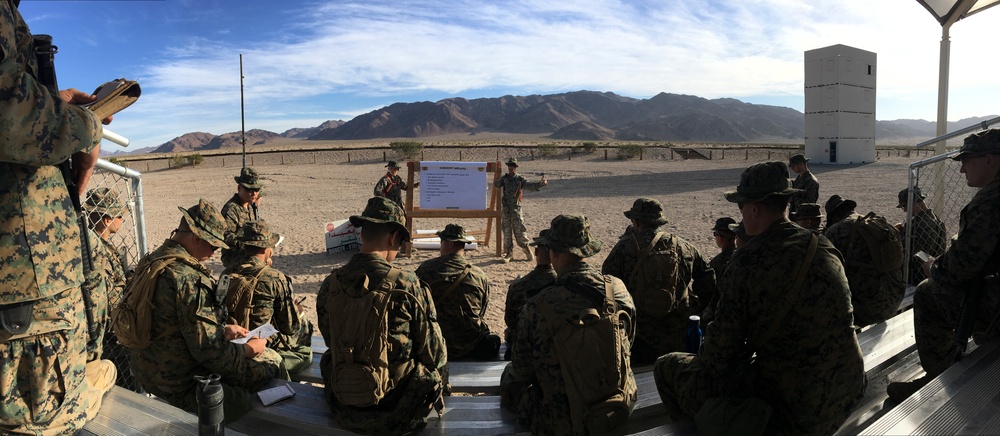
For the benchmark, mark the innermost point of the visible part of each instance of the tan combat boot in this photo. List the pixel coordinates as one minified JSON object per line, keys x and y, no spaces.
{"x":507,"y":257}
{"x":527,"y":251}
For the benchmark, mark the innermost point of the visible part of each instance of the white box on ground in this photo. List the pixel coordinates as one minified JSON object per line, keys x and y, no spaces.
{"x":435,"y":242}
{"x":342,"y":236}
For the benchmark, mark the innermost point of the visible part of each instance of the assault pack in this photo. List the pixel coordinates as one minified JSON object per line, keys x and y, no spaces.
{"x":655,"y":277}
{"x":593,"y":349}
{"x":359,"y":333}
{"x":882,"y":239}
{"x":239,"y":296}
{"x":132,"y":319}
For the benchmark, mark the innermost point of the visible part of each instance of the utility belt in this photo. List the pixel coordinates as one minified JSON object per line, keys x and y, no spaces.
{"x":16,"y":318}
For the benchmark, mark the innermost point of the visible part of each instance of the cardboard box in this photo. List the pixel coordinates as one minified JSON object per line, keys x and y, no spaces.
{"x":341,"y":236}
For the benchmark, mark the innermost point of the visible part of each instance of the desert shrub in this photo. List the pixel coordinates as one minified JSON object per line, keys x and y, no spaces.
{"x":116,"y":161}
{"x":629,"y":151}
{"x":408,"y":150}
{"x":589,"y":147}
{"x":178,"y":161}
{"x":194,"y":159}
{"x":547,"y":149}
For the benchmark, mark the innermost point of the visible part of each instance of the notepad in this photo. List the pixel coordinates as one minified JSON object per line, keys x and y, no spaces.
{"x":265,"y":331}
{"x":275,"y":394}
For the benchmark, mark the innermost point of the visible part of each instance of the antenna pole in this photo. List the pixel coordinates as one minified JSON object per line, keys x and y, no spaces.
{"x":243,"y":123}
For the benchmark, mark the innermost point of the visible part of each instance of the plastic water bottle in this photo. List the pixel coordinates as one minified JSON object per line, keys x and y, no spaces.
{"x":692,"y":337}
{"x":211,"y":417}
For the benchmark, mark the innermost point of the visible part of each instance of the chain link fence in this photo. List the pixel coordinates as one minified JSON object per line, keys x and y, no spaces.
{"x":117,"y":188}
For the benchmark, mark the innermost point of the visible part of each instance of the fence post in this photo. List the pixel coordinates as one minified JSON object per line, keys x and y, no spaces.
{"x":532,"y":154}
{"x":769,"y":155}
{"x":314,"y":157}
{"x":459,"y":155}
{"x":605,"y":154}
{"x":640,"y":154}
{"x":251,"y":160}
{"x":747,"y":155}
{"x":710,"y":153}
{"x":671,"y":154}
{"x":348,"y":157}
{"x":383,"y":156}
{"x":569,"y":156}
{"x":223,"y":161}
{"x":282,"y":159}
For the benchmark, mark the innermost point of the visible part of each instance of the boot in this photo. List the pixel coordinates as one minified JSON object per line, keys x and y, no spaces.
{"x":527,"y":252}
{"x":507,"y":257}
{"x":900,"y":391}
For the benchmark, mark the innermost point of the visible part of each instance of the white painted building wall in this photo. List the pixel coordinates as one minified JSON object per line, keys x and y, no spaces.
{"x":840,"y":105}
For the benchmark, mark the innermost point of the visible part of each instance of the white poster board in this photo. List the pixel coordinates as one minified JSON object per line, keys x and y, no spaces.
{"x":453,"y":185}
{"x":342,"y":236}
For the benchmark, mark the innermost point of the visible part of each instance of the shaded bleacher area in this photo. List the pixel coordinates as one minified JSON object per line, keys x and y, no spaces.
{"x":965,"y":399}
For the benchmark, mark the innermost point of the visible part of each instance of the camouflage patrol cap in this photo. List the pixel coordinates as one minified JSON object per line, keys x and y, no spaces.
{"x":258,"y":234}
{"x":541,"y":235}
{"x":977,"y":144}
{"x":381,"y":210}
{"x":570,"y":234}
{"x":206,"y":222}
{"x":455,"y":233}
{"x":105,"y":201}
{"x":837,"y":203}
{"x":248,"y":179}
{"x":648,"y":211}
{"x":760,"y":181}
{"x":904,"y":195}
{"x":512,"y":162}
{"x":392,"y":164}
{"x":808,"y":211}
{"x":722,"y":224}
{"x":797,"y":159}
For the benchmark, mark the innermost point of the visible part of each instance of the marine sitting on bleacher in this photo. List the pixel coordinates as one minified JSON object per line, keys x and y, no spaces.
{"x":188,"y":335}
{"x":974,"y":254}
{"x":570,"y":372}
{"x":804,"y":364}
{"x":666,"y":276}
{"x":259,"y":294}
{"x":521,"y":289}
{"x":461,"y":293}
{"x":391,"y":383}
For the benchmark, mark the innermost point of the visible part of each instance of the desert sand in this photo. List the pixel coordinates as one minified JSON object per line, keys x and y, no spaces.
{"x":302,"y":197}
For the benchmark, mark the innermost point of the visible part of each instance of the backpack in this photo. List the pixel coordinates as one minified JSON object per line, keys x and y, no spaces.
{"x":593,"y":349}
{"x":239,"y":296}
{"x":359,"y":331}
{"x":883,"y":242}
{"x":655,"y":277}
{"x":132,"y":318}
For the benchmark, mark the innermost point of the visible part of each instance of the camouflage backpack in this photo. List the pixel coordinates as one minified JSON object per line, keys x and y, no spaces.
{"x":593,"y":351}
{"x":655,"y":277}
{"x":359,"y":331}
{"x":883,"y":242}
{"x":239,"y":297}
{"x":133,"y":317}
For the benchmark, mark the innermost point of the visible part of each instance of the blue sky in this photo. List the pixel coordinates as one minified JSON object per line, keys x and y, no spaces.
{"x":309,"y":61}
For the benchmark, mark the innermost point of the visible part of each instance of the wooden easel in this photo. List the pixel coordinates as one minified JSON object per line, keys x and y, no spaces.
{"x":492,"y":213}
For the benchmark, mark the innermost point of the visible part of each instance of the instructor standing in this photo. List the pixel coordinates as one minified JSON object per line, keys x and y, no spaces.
{"x":513,"y":185}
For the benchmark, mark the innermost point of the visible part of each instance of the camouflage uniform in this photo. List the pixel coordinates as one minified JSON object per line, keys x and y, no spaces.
{"x":391,"y":187}
{"x":190,"y":315}
{"x":659,"y":335}
{"x":41,"y":370}
{"x":512,"y":222}
{"x":810,"y":371}
{"x":719,"y":262}
{"x":533,"y":383}
{"x":519,"y":292}
{"x":928,"y":235}
{"x":875,"y":295}
{"x":461,"y":313}
{"x":236,"y":215}
{"x":809,"y":184}
{"x":416,"y":344}
{"x":95,"y":289}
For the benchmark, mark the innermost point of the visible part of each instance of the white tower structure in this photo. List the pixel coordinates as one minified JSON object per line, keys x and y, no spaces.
{"x":840,"y":105}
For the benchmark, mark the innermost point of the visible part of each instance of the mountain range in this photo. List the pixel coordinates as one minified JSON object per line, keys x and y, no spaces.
{"x":579,"y":115}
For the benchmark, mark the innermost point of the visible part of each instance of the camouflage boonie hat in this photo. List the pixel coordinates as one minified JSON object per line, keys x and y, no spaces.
{"x":258,"y":234}
{"x":760,"y":181}
{"x":797,"y":159}
{"x":455,"y":233}
{"x":981,"y":143}
{"x":808,"y":211}
{"x":647,"y":210}
{"x":381,"y":210}
{"x":739,"y":230}
{"x":512,"y":162}
{"x":392,"y":164}
{"x":105,"y":201}
{"x":541,"y":236}
{"x":206,"y":222}
{"x":904,"y":195}
{"x":722,"y":224}
{"x":570,"y":234}
{"x":248,"y":179}
{"x":836,"y":203}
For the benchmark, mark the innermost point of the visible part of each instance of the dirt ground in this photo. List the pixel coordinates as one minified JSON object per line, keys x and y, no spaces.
{"x":302,"y":197}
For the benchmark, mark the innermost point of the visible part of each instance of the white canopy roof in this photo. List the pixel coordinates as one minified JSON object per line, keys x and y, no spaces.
{"x":950,"y":11}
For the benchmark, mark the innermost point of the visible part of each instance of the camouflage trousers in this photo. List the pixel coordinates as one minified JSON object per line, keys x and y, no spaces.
{"x":238,"y":391}
{"x":657,"y":336}
{"x":97,"y":319}
{"x":513,"y":229}
{"x":936,"y":310}
{"x":43,"y":373}
{"x":403,"y":410}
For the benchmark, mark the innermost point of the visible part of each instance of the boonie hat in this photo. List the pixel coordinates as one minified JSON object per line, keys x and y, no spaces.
{"x":248,"y":179}
{"x":453,"y":232}
{"x":382,"y":210}
{"x":760,"y":181}
{"x":904,"y":195}
{"x":258,"y":234}
{"x":105,"y":202}
{"x":206,"y":222}
{"x":392,"y":164}
{"x":647,"y":210}
{"x":987,"y":142}
{"x":797,"y":159}
{"x":541,"y":235}
{"x":808,"y":211}
{"x":836,"y":202}
{"x":570,"y":234}
{"x":722,"y":224}
{"x":512,"y":162}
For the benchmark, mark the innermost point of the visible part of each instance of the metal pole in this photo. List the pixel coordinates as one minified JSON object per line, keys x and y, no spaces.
{"x":243,"y":124}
